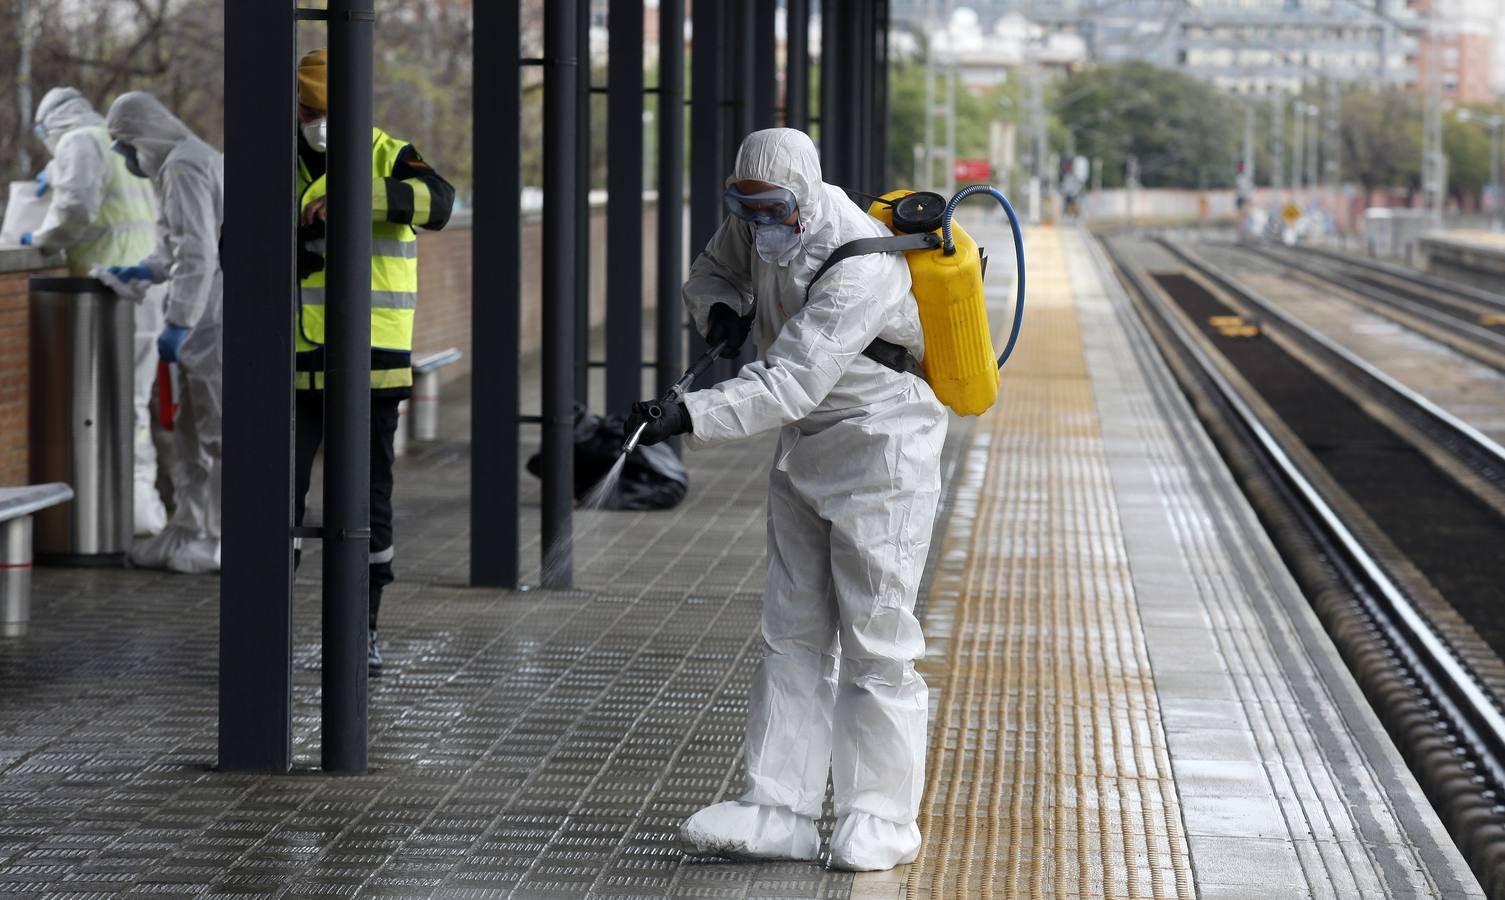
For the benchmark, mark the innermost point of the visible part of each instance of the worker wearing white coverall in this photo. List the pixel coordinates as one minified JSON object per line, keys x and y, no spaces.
{"x":852,"y":497}
{"x":104,"y":216}
{"x":188,"y":176}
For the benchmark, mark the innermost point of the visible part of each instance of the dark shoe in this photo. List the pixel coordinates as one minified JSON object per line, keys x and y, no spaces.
{"x":373,"y":654}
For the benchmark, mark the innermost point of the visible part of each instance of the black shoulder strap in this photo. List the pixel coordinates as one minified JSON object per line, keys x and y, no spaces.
{"x":864,"y":246}
{"x":890,"y":356}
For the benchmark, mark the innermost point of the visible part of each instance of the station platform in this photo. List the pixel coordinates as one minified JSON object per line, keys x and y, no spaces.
{"x":1129,"y":695}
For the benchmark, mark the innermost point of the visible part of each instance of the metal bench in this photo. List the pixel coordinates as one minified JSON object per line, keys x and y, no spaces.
{"x":17,"y":504}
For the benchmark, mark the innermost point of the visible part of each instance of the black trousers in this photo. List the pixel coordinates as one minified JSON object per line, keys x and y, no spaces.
{"x":309,"y":425}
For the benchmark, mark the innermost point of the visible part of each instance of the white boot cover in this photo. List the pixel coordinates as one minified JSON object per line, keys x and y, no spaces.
{"x":864,"y":843}
{"x":739,"y":830}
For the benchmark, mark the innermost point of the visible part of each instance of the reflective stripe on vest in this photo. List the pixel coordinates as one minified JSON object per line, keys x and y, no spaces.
{"x":394,"y":279}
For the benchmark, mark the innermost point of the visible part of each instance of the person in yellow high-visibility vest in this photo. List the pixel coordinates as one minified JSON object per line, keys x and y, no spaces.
{"x":406,"y":193}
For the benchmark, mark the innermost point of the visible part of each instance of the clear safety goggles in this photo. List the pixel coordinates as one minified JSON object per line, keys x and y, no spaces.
{"x":768,"y":207}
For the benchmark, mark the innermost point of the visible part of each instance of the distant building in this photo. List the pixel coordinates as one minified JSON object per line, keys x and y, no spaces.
{"x":1244,"y":46}
{"x":1463,"y":52}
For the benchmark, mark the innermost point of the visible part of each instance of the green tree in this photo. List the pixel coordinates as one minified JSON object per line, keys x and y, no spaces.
{"x":1381,"y":133}
{"x":976,"y":111}
{"x":1184,"y":132}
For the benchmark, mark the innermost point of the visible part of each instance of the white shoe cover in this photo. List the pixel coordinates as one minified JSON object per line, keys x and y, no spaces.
{"x":177,"y":550}
{"x":150,"y":515}
{"x":740,"y":830}
{"x":864,"y":843}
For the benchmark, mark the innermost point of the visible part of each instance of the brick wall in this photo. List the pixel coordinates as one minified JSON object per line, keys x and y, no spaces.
{"x":444,"y":286}
{"x":14,"y":361}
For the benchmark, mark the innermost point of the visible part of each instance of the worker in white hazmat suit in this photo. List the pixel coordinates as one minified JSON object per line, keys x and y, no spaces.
{"x":189,"y":178}
{"x":852,"y":497}
{"x":104,"y":216}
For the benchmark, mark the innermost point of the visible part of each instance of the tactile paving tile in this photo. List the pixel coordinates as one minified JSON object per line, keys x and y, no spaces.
{"x":1048,"y":771}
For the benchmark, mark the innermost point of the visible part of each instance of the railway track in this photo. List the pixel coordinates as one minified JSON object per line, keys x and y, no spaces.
{"x":1390,"y":511}
{"x":1467,"y":319}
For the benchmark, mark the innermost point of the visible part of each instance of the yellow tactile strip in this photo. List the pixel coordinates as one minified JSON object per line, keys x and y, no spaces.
{"x":1048,"y":767}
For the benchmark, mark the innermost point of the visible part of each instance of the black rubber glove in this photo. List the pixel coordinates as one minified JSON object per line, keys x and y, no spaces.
{"x":675,"y":420}
{"x":723,"y":324}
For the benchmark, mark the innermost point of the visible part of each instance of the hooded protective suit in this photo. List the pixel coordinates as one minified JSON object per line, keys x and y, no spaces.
{"x":104,"y":216}
{"x":852,"y":498}
{"x":189,"y":177}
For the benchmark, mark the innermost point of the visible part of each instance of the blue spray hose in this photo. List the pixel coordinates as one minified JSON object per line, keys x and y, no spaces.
{"x":949,"y":246}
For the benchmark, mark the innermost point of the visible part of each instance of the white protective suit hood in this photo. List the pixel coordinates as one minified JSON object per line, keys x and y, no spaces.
{"x":140,"y":120}
{"x":64,"y":109}
{"x":788,"y":158}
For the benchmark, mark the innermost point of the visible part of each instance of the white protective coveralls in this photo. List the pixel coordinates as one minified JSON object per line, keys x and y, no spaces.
{"x":105,"y":216}
{"x":852,"y":497}
{"x":189,"y":178}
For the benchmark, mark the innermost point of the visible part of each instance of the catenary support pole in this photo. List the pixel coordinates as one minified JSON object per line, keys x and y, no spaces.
{"x":624,"y":206}
{"x":669,"y":316}
{"x":496,"y":300}
{"x":256,"y":580}
{"x":347,"y":386}
{"x":560,"y":103}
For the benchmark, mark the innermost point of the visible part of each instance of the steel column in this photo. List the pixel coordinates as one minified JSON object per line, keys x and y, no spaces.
{"x":765,"y":95}
{"x":670,"y":317}
{"x":706,"y":171}
{"x":880,"y":79}
{"x":624,"y":206}
{"x":797,"y":65}
{"x":496,"y":300}
{"x":582,"y":263}
{"x":256,"y":581}
{"x":834,"y":92}
{"x":347,"y":386}
{"x":560,"y":259}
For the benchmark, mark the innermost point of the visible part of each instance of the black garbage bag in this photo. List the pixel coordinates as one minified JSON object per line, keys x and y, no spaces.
{"x":653,"y":477}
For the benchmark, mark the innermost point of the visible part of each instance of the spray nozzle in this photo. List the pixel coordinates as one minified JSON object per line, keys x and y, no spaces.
{"x":674,"y":394}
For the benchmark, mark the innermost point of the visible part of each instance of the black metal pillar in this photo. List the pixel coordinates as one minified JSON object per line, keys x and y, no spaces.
{"x":256,"y":582}
{"x":669,"y":319}
{"x":582,"y":264}
{"x":624,"y":206}
{"x":560,"y":259}
{"x":797,"y":65}
{"x":764,"y":64}
{"x":347,"y":386}
{"x":739,"y":49}
{"x":881,"y":120}
{"x":834,"y":93}
{"x":496,"y":299}
{"x":860,"y":151}
{"x":706,"y":164}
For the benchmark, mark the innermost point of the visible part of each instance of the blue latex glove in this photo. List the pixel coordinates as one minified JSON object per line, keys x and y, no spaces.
{"x":170,"y":341}
{"x":131,"y":273}
{"x":26,"y":239}
{"x":42,"y":184}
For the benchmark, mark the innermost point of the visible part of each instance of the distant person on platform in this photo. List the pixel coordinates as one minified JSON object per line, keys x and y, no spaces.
{"x":104,"y":216}
{"x":406,"y":193}
{"x":189,"y":177}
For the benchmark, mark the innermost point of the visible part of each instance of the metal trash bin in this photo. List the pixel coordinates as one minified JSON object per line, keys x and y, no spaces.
{"x":82,"y":424}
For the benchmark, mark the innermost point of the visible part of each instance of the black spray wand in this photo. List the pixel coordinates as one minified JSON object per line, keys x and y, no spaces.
{"x":674,"y":394}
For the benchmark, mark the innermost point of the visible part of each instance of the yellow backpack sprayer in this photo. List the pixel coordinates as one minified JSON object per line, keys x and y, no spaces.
{"x":947,"y":268}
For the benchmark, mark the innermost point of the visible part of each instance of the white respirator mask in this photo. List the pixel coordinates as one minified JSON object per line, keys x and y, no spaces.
{"x":777,"y":243}
{"x":316,"y":133}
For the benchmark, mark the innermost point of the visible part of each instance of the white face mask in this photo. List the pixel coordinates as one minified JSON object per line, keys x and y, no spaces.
{"x":317,"y":133}
{"x":776,"y":243}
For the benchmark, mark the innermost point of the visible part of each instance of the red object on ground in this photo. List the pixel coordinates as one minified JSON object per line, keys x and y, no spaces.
{"x":167,"y":394}
{"x":976,"y":170}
